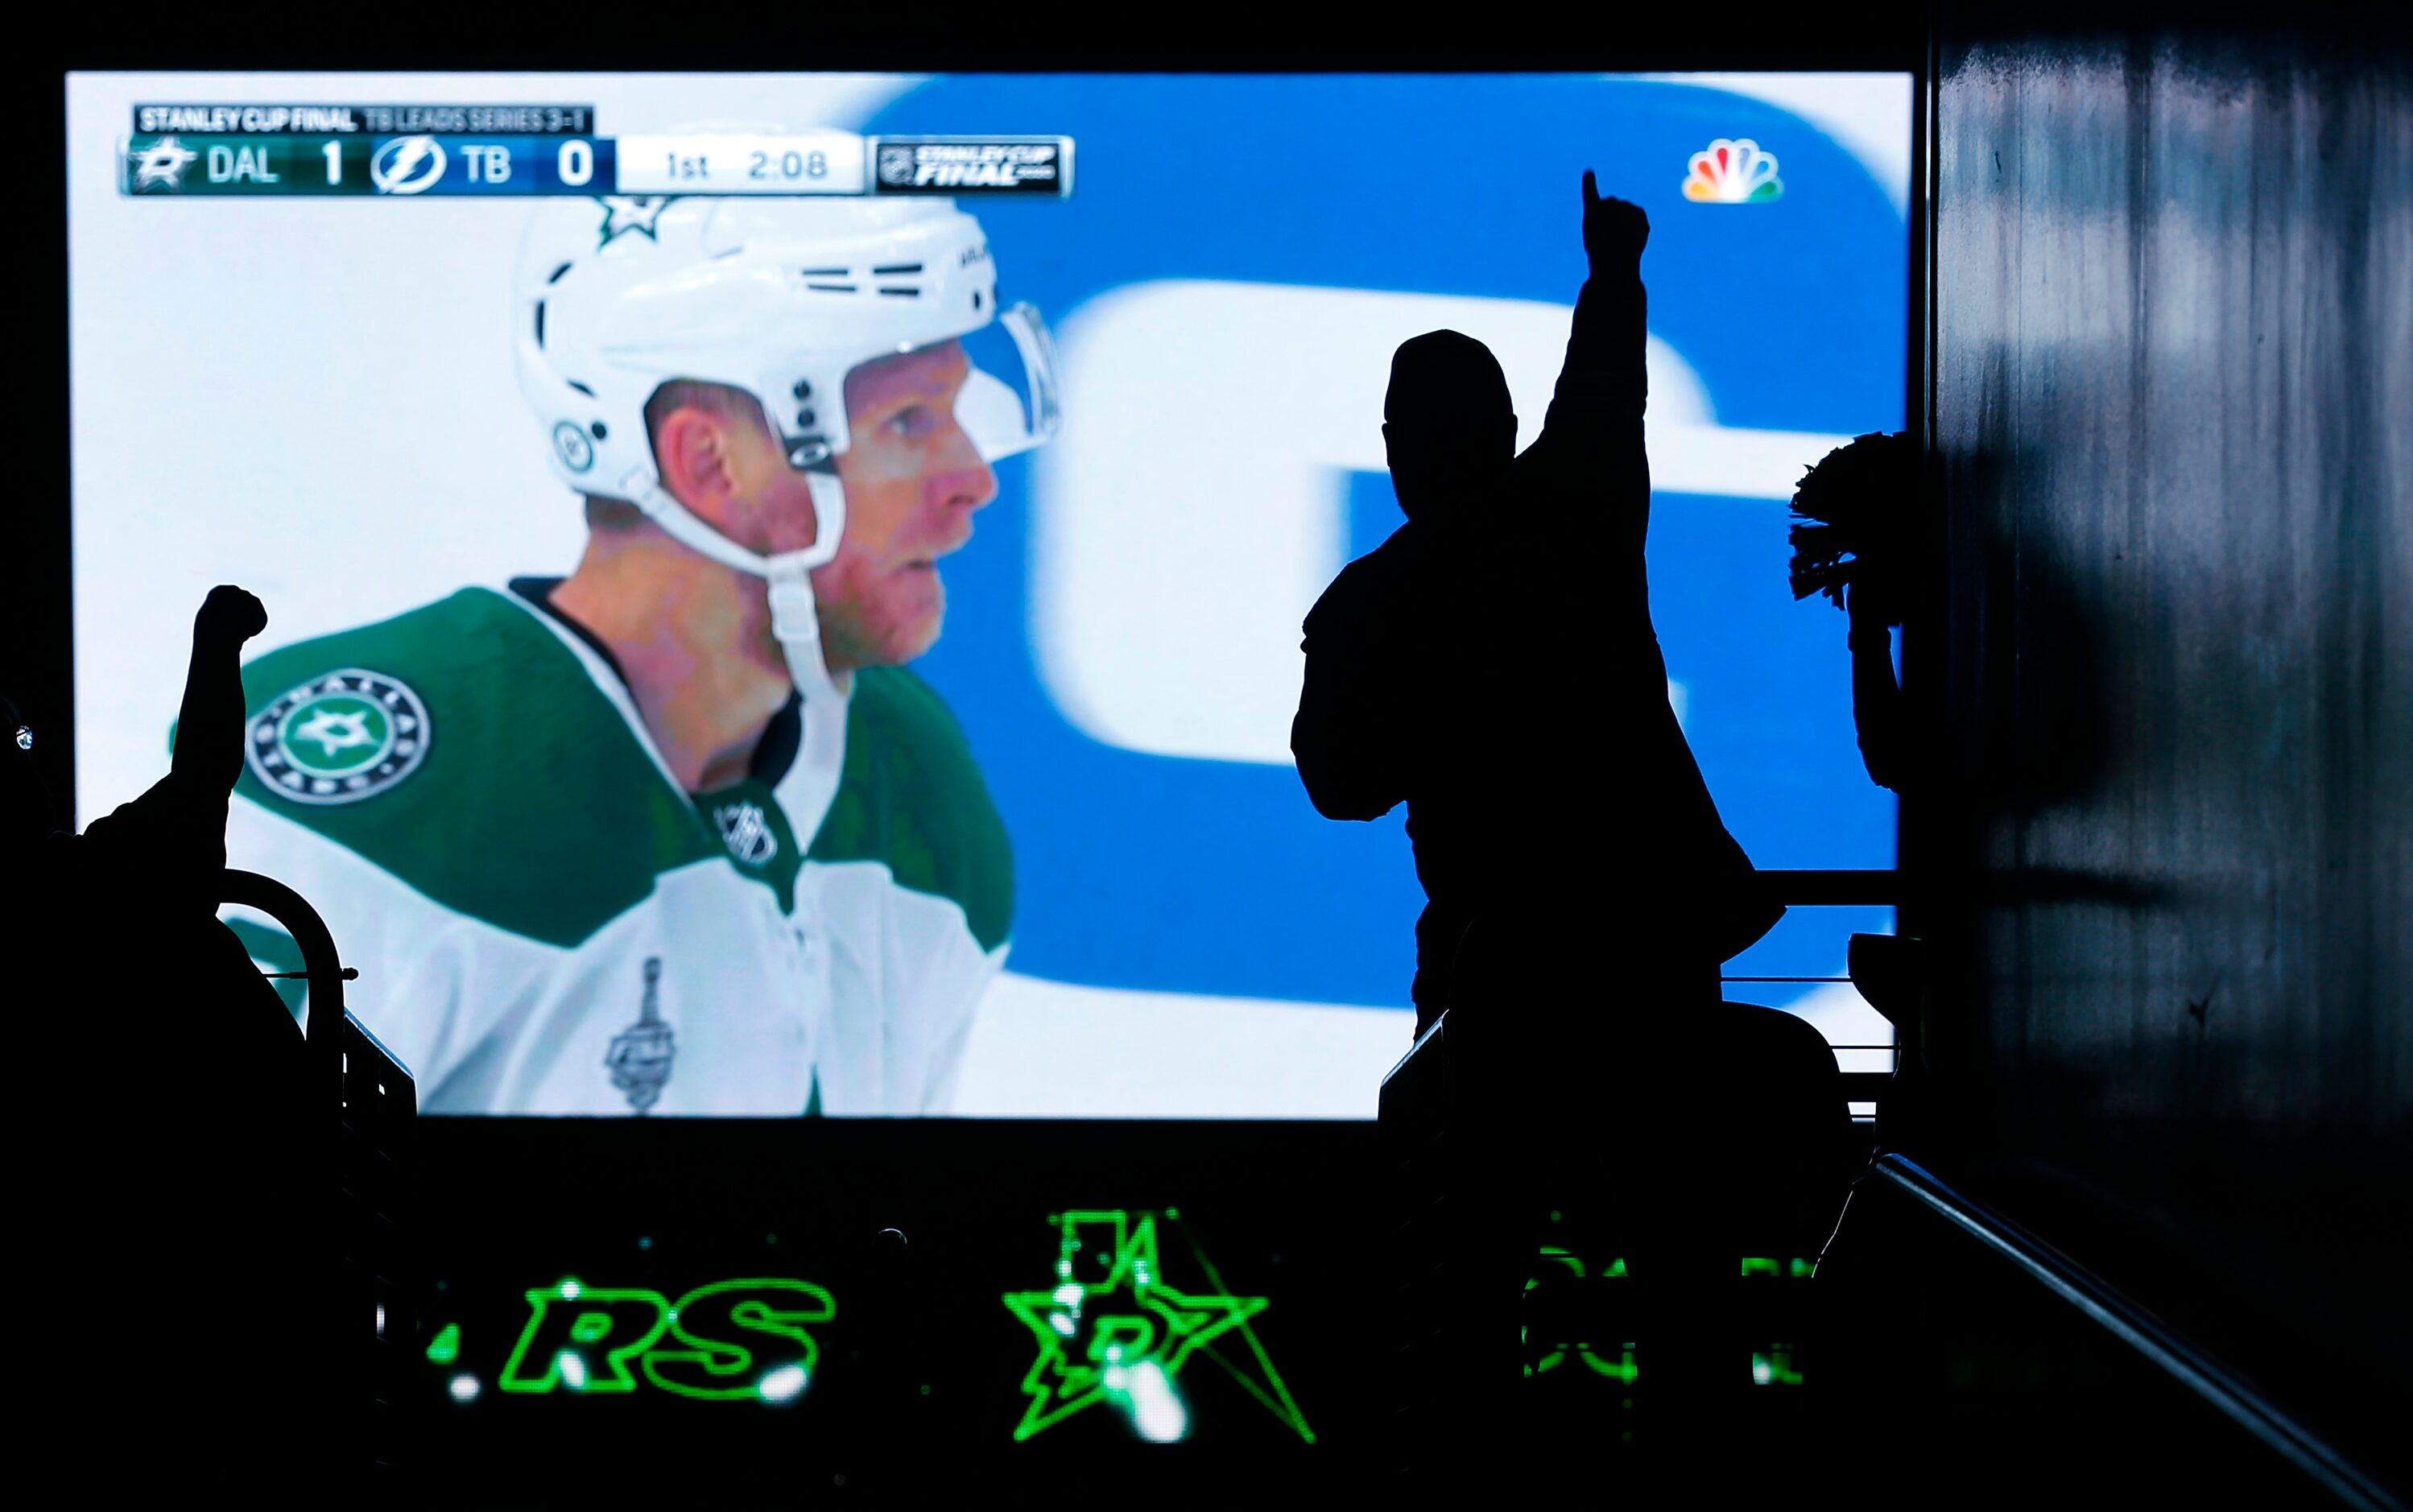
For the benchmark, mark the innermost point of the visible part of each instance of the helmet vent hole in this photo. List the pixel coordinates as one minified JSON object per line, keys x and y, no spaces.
{"x":906,"y":292}
{"x":556,"y":276}
{"x":580,"y":387}
{"x":832,"y":289}
{"x":825,"y":272}
{"x":540,"y":325}
{"x":976,"y":298}
{"x":597,"y":430}
{"x":897,"y":268}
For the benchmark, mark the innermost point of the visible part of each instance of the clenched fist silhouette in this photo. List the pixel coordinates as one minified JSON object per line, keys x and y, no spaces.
{"x":230,"y":615}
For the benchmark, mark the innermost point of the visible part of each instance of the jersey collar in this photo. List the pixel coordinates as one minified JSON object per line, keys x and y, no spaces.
{"x":774,"y":754}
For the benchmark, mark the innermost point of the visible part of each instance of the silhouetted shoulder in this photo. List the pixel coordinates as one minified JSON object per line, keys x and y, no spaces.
{"x":1359,"y":591}
{"x":912,"y":798}
{"x":464,"y":750}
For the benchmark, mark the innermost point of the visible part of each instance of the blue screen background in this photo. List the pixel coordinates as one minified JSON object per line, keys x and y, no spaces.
{"x":1144,"y":871}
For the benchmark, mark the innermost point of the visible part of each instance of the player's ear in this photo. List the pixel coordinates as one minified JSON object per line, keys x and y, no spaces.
{"x":693,"y":448}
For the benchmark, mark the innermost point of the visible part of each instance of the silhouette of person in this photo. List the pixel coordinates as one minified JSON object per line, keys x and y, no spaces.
{"x":177,"y":1176}
{"x":1857,"y":508}
{"x":1493,"y":665}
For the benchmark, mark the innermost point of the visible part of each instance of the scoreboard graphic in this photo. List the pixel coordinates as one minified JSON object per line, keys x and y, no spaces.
{"x":539,"y":150}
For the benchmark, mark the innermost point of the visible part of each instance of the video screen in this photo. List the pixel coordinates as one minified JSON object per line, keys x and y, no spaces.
{"x":631,"y":791}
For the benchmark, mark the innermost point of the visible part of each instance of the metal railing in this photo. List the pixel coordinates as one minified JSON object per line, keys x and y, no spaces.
{"x":360,"y":1173}
{"x":1866,"y":888}
{"x":321,"y":968}
{"x":2133,"y":1325}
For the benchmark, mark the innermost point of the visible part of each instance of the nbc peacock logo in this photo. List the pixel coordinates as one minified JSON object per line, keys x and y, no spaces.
{"x":1734,"y":173}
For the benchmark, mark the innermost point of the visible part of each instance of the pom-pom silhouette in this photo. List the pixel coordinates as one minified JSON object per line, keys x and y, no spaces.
{"x":1856,"y":502}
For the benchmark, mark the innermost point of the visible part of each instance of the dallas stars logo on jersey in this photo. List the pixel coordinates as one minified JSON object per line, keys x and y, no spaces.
{"x":340,"y":737}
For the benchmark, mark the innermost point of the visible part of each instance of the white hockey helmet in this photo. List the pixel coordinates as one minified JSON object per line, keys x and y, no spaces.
{"x":781,"y":298}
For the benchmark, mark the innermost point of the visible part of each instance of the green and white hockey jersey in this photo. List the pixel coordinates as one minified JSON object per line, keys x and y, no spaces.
{"x":545,"y":924}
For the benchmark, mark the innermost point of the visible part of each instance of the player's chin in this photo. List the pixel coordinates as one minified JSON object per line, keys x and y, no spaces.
{"x":908,"y":635}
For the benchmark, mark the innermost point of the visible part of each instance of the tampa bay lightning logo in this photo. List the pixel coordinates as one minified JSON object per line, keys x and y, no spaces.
{"x":406,"y":165}
{"x":641,"y":1055}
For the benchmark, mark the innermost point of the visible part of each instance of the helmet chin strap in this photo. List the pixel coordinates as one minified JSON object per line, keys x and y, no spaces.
{"x":796,"y":620}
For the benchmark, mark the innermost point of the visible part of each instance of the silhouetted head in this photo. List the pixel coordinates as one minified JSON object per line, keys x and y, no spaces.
{"x":1855,"y":513}
{"x":1447,"y":424}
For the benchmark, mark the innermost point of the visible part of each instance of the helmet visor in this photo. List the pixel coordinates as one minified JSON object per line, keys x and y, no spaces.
{"x":1009,"y":402}
{"x":1005,"y":401}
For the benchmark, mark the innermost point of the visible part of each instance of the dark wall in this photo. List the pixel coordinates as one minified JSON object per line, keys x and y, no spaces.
{"x":2173,"y":414}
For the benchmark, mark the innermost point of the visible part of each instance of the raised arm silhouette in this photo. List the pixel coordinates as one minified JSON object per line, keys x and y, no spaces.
{"x":1493,"y":665}
{"x":174,"y":1088}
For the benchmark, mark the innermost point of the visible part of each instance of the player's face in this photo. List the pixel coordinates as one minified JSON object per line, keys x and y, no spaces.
{"x":912,"y":479}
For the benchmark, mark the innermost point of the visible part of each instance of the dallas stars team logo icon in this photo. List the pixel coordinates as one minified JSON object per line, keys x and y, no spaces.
{"x":339,"y":737}
{"x":627,"y":213}
{"x":1112,"y":1330}
{"x":163,"y":162}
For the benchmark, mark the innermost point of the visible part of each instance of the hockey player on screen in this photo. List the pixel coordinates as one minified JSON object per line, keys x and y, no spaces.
{"x":679,"y":832}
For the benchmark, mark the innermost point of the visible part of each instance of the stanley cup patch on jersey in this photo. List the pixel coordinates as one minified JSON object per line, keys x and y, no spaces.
{"x":340,"y":737}
{"x":640,"y":1057}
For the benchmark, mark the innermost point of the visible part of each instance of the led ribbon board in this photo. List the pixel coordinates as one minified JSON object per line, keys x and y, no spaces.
{"x":1111,"y":1330}
{"x":729,"y":1340}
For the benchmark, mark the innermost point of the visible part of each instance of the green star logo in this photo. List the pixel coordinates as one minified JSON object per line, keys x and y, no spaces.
{"x":347,"y":732}
{"x":624,"y":214}
{"x":1112,"y":1330}
{"x":342,"y":736}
